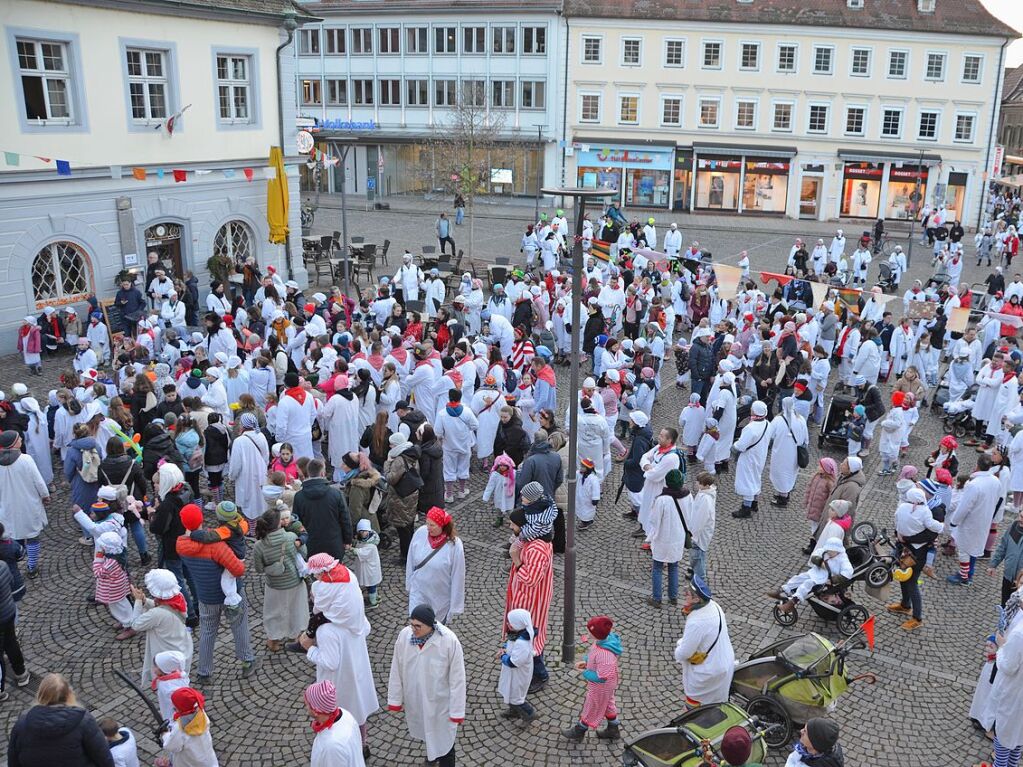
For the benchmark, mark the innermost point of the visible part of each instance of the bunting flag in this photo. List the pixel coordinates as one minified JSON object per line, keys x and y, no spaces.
{"x":958,"y":319}
{"x":728,"y":280}
{"x":781,"y":279}
{"x":228,"y":172}
{"x":820,"y":293}
{"x":868,"y":631}
{"x":12,"y":158}
{"x":139,"y":174}
{"x":179,"y":175}
{"x":63,"y":168}
{"x":160,"y":173}
{"x":601,"y":250}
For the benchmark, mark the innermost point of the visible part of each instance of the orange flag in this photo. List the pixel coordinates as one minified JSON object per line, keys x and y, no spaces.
{"x":139,"y":173}
{"x":868,"y":631}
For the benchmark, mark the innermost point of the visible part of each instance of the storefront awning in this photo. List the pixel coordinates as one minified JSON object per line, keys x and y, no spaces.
{"x":749,"y":150}
{"x":631,"y":142}
{"x":1014,"y":159}
{"x":859,"y":155}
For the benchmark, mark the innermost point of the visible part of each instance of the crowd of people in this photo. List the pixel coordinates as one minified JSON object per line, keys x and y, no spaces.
{"x":297,"y":434}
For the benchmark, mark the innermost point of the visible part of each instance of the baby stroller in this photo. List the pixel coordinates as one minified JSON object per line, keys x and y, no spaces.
{"x":885,"y":281}
{"x":834,"y":602}
{"x":792,"y":681}
{"x":958,"y":418}
{"x":682,"y":742}
{"x":833,"y":430}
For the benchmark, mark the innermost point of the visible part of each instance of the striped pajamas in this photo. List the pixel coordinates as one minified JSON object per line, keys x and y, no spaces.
{"x":1006,"y":757}
{"x":209,"y":626}
{"x":600,"y":696}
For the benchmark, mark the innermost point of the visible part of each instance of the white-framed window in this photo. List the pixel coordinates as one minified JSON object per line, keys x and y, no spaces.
{"x":746,"y":114}
{"x":147,"y":83}
{"x":234,"y":241}
{"x":390,"y":93}
{"x":671,"y":111}
{"x":337,"y":93}
{"x":503,"y":39}
{"x":891,"y":122}
{"x":749,"y":57}
{"x":335,"y":39}
{"x":712,"y":52}
{"x":445,"y":39}
{"x":592,"y":49}
{"x":855,"y":120}
{"x":534,"y":41}
{"x":859,"y":63}
{"x":898,"y":64}
{"x":234,"y":86}
{"x":60,"y":271}
{"x":628,"y":108}
{"x":362,"y":41}
{"x":781,"y":119}
{"x":589,"y":107}
{"x":502,"y":94}
{"x":817,"y":118}
{"x":927,"y":130}
{"x":417,"y":93}
{"x":362,"y":92}
{"x":823,"y":60}
{"x":534,"y":93}
{"x":445,"y":93}
{"x":965,"y":124}
{"x":389,"y":40}
{"x":632,"y":51}
{"x":474,"y":92}
{"x":710,"y":112}
{"x":788,"y":56}
{"x":674,"y":53}
{"x":935,"y":68}
{"x":312,"y":92}
{"x":973,"y":68}
{"x":474,"y":40}
{"x":417,"y":40}
{"x":309,"y":42}
{"x":46,"y":85}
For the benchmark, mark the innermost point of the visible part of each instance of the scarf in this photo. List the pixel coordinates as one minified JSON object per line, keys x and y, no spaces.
{"x":664,"y":450}
{"x":419,"y":641}
{"x":194,"y":724}
{"x":436,"y":541}
{"x":166,"y":677}
{"x":297,"y":393}
{"x":279,"y":328}
{"x":177,"y":602}
{"x":327,"y":723}
{"x":453,"y":409}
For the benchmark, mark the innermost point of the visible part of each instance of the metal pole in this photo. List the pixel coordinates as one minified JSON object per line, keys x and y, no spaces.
{"x":916,"y":209}
{"x":539,"y":164}
{"x":568,"y":631}
{"x":344,"y":216}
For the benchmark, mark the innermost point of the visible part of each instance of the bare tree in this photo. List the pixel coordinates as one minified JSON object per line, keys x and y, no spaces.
{"x":461,"y":151}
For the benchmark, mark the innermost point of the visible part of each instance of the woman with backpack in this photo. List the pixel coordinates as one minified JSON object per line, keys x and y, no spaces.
{"x":120,"y":472}
{"x":190,"y":443}
{"x":81,"y":467}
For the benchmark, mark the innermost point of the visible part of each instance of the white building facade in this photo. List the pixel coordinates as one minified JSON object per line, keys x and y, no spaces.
{"x":847,"y":114}
{"x":93,"y":85}
{"x":382,"y":78}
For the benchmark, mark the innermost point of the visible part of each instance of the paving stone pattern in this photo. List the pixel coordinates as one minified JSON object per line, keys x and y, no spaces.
{"x":914,"y":715}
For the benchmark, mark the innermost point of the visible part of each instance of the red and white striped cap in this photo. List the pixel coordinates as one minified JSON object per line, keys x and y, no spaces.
{"x":321,"y":697}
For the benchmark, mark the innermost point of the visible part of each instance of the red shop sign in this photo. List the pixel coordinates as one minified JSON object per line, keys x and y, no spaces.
{"x":864,"y":170}
{"x":907,"y":174}
{"x":768,"y":167}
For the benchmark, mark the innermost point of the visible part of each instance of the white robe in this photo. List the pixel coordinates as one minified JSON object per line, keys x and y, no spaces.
{"x":408,"y":278}
{"x":664,"y":531}
{"x":1005,"y":704}
{"x":421,"y":384}
{"x":250,"y":456}
{"x":653,"y":479}
{"x":707,"y":682}
{"x":488,"y":416}
{"x":902,"y":349}
{"x":594,"y":442}
{"x":513,"y":684}
{"x":22,"y":490}
{"x":1006,"y":400}
{"x":726,"y":424}
{"x":868,"y":361}
{"x":294,"y":424}
{"x":970,"y":522}
{"x":99,"y":337}
{"x":429,"y":683}
{"x":340,"y":745}
{"x":1016,"y":461}
{"x":989,"y":381}
{"x":784,"y":466}
{"x":753,"y":446}
{"x":340,"y":421}
{"x":340,"y":652}
{"x":37,"y":445}
{"x":215,"y":398}
{"x":440,"y":582}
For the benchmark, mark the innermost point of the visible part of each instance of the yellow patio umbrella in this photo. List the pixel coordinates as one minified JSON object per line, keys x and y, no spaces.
{"x":277,"y":198}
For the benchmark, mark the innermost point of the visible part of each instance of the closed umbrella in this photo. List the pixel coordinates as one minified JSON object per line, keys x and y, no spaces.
{"x":277,"y":198}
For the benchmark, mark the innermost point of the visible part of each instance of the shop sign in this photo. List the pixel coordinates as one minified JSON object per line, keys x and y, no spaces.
{"x":683,"y":161}
{"x":768,"y":167}
{"x":907,"y":174}
{"x":623,"y":156}
{"x":812,"y":168}
{"x":997,"y":161}
{"x":335,"y":124}
{"x":726,"y":166}
{"x":864,"y":170}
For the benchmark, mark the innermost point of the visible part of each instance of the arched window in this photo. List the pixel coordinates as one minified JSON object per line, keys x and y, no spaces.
{"x":234,"y":241}
{"x":60,"y":273}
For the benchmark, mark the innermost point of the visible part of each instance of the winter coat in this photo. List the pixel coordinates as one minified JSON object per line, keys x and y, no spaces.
{"x":218,"y":443}
{"x":158,"y":446}
{"x":818,"y":491}
{"x":872,"y":402}
{"x":642,"y":442}
{"x":278,"y":545}
{"x":206,"y":563}
{"x":1010,"y":551}
{"x":82,"y":493}
{"x":702,"y":361}
{"x":11,"y":552}
{"x":431,"y":469}
{"x":401,"y":512}
{"x":512,"y":439}
{"x":58,"y":735}
{"x":166,"y":521}
{"x":360,"y":497}
{"x":114,"y":470}
{"x":542,"y":465}
{"x":849,"y":489}
{"x":8,"y":608}
{"x":324,"y":512}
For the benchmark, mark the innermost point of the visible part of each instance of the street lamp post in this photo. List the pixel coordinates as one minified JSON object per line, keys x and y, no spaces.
{"x":580,"y":196}
{"x":344,"y":216}
{"x":916,"y":209}
{"x":539,"y":174}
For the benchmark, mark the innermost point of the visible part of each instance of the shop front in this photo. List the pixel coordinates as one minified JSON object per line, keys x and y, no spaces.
{"x":740,"y":179}
{"x":811,"y":188}
{"x":906,"y":188}
{"x":683,"y":182}
{"x":952,"y":194}
{"x":861,"y":189}
{"x":889,"y":185}
{"x":641,"y":174}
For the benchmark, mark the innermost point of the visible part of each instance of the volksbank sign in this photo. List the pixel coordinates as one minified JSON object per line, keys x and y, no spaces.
{"x":352,"y":125}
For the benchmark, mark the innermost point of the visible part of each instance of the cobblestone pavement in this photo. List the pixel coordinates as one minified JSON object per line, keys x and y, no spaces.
{"x":916,"y":714}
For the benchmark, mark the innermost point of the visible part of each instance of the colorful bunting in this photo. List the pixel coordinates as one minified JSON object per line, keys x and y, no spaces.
{"x":179,"y":175}
{"x":139,"y":174}
{"x":248,"y":173}
{"x":12,"y":158}
{"x":63,"y":168}
{"x":228,"y":172}
{"x":160,"y":173}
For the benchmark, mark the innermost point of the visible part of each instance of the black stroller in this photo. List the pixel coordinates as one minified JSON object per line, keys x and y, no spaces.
{"x":833,"y":430}
{"x":885,"y":281}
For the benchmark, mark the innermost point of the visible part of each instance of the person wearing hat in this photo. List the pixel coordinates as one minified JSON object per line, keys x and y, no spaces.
{"x":667,"y":534}
{"x":99,"y":336}
{"x":427,"y":681}
{"x":188,"y":741}
{"x":30,"y":344}
{"x":788,"y":431}
{"x":705,"y":649}
{"x":817,"y":746}
{"x":337,"y":645}
{"x":600,"y":671}
{"x":456,"y":425}
{"x":435,"y":567}
{"x":109,"y":567}
{"x":218,"y":301}
{"x":161,"y":617}
{"x":751,"y":449}
{"x":531,"y":587}
{"x":916,"y":529}
{"x":640,"y":444}
{"x":25,"y":497}
{"x":296,"y":411}
{"x":338,"y":742}
{"x":828,"y":562}
{"x":170,"y":669}
{"x":850,"y":482}
{"x":516,"y":656}
{"x":408,"y":279}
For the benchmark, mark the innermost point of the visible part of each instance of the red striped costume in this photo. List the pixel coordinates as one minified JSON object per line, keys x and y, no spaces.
{"x":600,"y":696}
{"x":531,"y":585}
{"x":522,"y":354}
{"x":111,"y":580}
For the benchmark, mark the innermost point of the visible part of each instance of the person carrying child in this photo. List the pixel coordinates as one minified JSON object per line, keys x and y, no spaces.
{"x":232,"y":532}
{"x":516,"y":656}
{"x":600,"y":671}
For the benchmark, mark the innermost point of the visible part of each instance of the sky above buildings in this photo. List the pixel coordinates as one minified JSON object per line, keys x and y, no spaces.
{"x":1011,"y":12}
